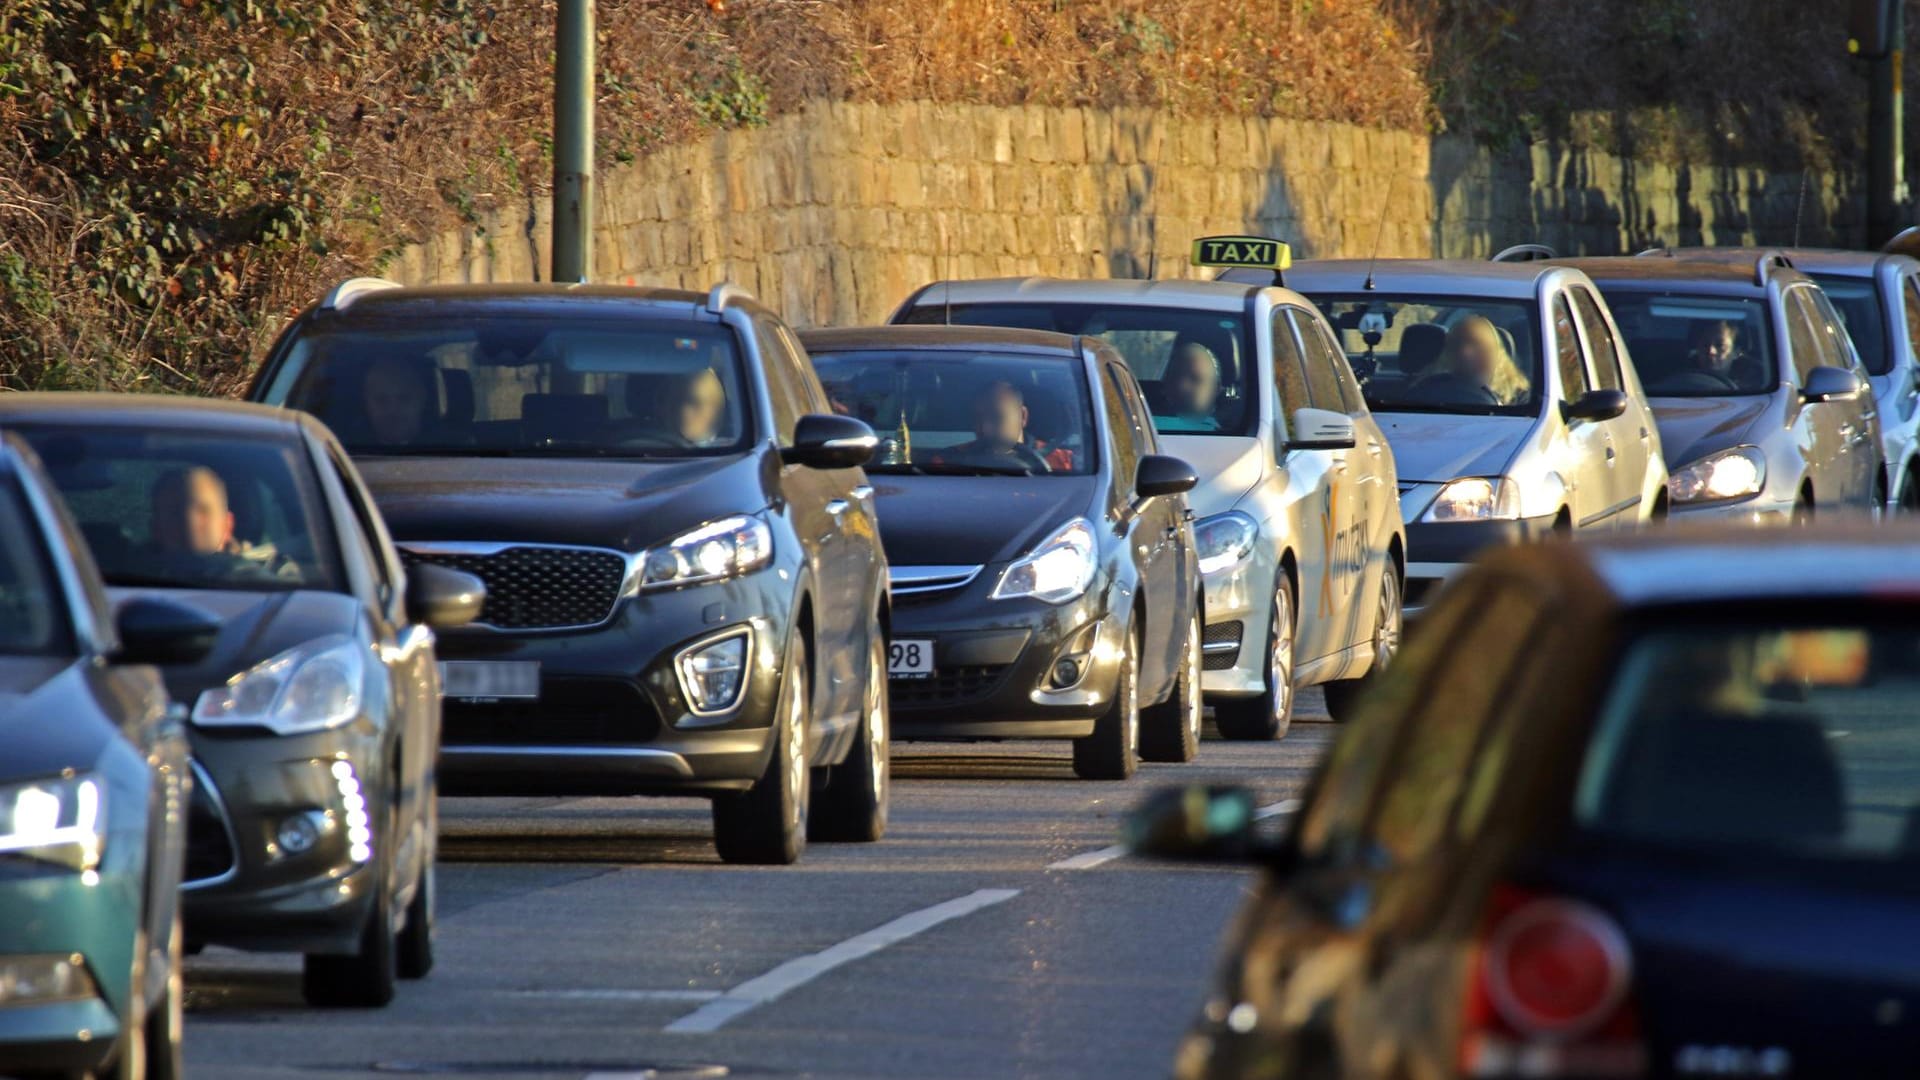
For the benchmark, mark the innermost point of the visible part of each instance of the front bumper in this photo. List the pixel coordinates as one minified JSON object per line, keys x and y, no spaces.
{"x":1760,"y":510}
{"x":1436,"y":551}
{"x":53,"y":910}
{"x":1239,"y":611}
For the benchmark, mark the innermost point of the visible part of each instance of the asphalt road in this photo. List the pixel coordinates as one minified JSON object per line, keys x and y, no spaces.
{"x":995,"y":933}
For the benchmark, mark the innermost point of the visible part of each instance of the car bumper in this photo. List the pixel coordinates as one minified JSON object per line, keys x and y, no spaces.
{"x":1239,"y":610}
{"x":1436,"y":551}
{"x":612,"y":716}
{"x":1761,"y":511}
{"x":47,"y":910}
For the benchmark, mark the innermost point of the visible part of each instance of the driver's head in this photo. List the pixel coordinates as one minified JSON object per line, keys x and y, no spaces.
{"x":1000,"y":415}
{"x":1713,"y":345}
{"x":1476,"y":351}
{"x":396,"y":397}
{"x":699,"y":400}
{"x":190,"y":512}
{"x":1192,"y":381}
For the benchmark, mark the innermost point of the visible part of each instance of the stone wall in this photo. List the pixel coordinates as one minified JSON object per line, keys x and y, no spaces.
{"x":835,"y":213}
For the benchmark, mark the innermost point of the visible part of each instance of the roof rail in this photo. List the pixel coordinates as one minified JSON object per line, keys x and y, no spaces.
{"x":1767,"y":261}
{"x":1525,"y":253}
{"x":1660,"y":252}
{"x":724,"y":293}
{"x":341,"y":296}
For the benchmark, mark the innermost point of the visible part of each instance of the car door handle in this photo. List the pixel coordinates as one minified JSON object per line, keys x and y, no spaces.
{"x":1374,"y":447}
{"x":838,"y":507}
{"x":1646,"y":436}
{"x":863,"y":492}
{"x":1611,"y":455}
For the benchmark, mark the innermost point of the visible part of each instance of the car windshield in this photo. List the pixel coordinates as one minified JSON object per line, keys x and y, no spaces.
{"x":1440,"y":354}
{"x":32,"y":615}
{"x":1784,"y":740}
{"x":190,"y":511}
{"x":1194,"y":366}
{"x":1696,"y":346}
{"x":1858,"y":302}
{"x":953,"y":411}
{"x":506,"y":386}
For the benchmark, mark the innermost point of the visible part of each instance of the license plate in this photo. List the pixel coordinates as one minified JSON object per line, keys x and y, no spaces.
{"x":490,"y":680}
{"x":910,"y":660}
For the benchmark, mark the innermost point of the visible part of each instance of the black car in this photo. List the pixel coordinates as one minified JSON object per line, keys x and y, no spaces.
{"x":94,"y":776}
{"x":686,"y":595}
{"x":1044,"y":576}
{"x":1635,"y":808}
{"x":316,"y":714}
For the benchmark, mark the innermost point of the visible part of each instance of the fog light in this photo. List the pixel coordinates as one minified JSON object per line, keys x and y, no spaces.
{"x":713,"y":674}
{"x":297,"y":835}
{"x":32,"y":980}
{"x":1066,"y":671}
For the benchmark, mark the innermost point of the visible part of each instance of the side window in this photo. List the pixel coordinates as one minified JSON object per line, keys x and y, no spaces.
{"x":1289,"y":373}
{"x":1126,"y":448}
{"x":787,"y":393}
{"x":1322,"y":362}
{"x":1606,"y":352}
{"x":1802,"y":338}
{"x":1910,"y":298}
{"x":1144,"y":439}
{"x":1573,"y":370}
{"x":816,"y":395}
{"x":368,"y":536}
{"x":1838,"y":350}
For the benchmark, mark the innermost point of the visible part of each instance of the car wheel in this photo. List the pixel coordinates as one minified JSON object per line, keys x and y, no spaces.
{"x":1170,"y":731}
{"x":364,"y":980}
{"x":1388,"y":619}
{"x":166,"y":1021}
{"x":415,"y":958}
{"x":1112,"y":752}
{"x":1269,"y":715}
{"x":853,"y":807}
{"x":767,"y":824}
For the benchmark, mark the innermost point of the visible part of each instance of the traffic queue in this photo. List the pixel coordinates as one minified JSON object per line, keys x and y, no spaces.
{"x":588,"y":539}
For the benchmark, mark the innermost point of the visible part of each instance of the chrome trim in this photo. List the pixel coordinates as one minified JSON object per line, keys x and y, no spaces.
{"x":202,"y":781}
{"x":632,"y":753}
{"x":342,"y":296}
{"x":864,"y":491}
{"x":863,"y":442}
{"x":746,"y":668}
{"x":907,"y":580}
{"x":629,"y":582}
{"x":1215,"y":648}
{"x":838,"y":507}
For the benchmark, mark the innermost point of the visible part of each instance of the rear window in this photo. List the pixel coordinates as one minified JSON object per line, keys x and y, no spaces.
{"x":1800,"y":741}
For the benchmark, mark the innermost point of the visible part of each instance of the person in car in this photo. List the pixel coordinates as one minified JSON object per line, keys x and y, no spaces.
{"x":1190,"y":389}
{"x":1001,"y":441}
{"x":1474,"y":368}
{"x":398,"y":398}
{"x":699,"y":402}
{"x":1713,"y":350}
{"x":192,"y":531}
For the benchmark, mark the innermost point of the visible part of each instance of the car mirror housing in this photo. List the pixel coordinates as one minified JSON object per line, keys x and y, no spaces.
{"x":1158,"y":474}
{"x":1321,"y":429}
{"x":1831,"y":384}
{"x":829,"y":441}
{"x":164,"y":632}
{"x":1595,"y":406}
{"x":1198,"y":823}
{"x":442,"y":597}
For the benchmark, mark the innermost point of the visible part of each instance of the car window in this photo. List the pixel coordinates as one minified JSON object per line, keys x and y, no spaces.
{"x":1573,"y":369}
{"x":1323,"y":378}
{"x":1126,"y":448}
{"x":1440,"y":354}
{"x":1600,"y":343}
{"x":33,"y":615}
{"x":1289,"y":369}
{"x":368,"y":534}
{"x":786,"y":391}
{"x":1836,"y":346}
{"x":954,"y":410}
{"x":1695,"y":345}
{"x":1803,"y":336}
{"x":1910,"y":304}
{"x":176,"y":509}
{"x":1138,"y":415}
{"x":1857,"y":302}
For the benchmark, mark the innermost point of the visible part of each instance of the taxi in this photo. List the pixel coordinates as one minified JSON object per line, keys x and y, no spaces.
{"x":1302,"y":551}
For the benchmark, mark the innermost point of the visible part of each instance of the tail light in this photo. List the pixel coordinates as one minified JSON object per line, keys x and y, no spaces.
{"x":1550,"y":993}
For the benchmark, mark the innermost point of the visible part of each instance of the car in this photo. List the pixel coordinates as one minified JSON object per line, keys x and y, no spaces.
{"x":1877,"y":296}
{"x":316,"y":713}
{"x":686,"y":590}
{"x":1041,"y":558}
{"x":1642,"y":807}
{"x":1763,"y":404}
{"x":94,"y":785}
{"x":1552,"y":436}
{"x":1301,"y":548}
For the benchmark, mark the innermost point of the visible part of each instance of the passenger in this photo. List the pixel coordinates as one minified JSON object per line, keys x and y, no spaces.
{"x":1190,"y":388}
{"x":1000,"y":430}
{"x":399,"y":401}
{"x":1474,"y":368}
{"x":192,"y":527}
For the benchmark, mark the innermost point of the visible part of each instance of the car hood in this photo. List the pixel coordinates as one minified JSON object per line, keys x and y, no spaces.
{"x":43,"y":703}
{"x":1432,"y":448}
{"x":1690,"y":426}
{"x":625,"y":505}
{"x":253,"y":627}
{"x":973,"y":520}
{"x":1228,"y":467}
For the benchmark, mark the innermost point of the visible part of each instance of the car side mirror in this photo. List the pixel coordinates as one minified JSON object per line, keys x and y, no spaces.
{"x":1594,"y":406}
{"x":1158,"y":474}
{"x":1198,"y":823}
{"x":831,"y":441}
{"x":164,"y":632}
{"x":1321,"y":429}
{"x":442,"y":597}
{"x":1831,"y":384}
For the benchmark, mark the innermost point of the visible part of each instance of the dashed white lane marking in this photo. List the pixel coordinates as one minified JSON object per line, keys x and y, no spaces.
{"x":799,"y":971}
{"x":1087,"y":860}
{"x":689,"y":996}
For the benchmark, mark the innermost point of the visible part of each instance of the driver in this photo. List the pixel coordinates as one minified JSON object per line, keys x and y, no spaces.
{"x":399,"y":403}
{"x":1191,"y":386}
{"x":192,"y":524}
{"x":1000,"y":435}
{"x":696,"y":403}
{"x":1474,"y":368}
{"x":1713,"y":348}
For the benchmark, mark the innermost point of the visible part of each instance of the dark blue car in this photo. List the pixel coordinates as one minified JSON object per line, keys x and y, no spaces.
{"x":1640,"y":808}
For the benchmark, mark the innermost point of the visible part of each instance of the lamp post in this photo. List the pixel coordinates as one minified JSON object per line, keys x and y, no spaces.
{"x":573,"y":141}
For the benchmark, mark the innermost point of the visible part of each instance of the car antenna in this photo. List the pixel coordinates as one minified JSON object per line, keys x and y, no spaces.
{"x":1800,"y":207}
{"x":1379,"y":233}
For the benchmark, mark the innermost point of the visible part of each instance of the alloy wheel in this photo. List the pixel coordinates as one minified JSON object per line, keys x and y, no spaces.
{"x":877,"y":722}
{"x":797,"y":751}
{"x":1196,"y":708}
{"x":1280,"y":661}
{"x":1386,"y":637}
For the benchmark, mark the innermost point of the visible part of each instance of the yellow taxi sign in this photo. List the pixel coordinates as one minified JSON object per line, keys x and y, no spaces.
{"x":1242,"y":252}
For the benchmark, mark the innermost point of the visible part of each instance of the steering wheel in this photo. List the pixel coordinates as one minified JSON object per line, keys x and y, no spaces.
{"x":1031,"y":458}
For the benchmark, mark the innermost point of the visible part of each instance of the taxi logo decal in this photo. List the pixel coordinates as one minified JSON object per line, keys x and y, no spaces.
{"x":1254,"y":252}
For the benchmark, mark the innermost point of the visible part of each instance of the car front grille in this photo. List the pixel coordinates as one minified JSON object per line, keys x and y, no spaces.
{"x":1215,"y":656}
{"x":532,"y":587}
{"x":915,"y":583}
{"x":949,"y":686}
{"x":570,"y":712}
{"x":210,"y":853}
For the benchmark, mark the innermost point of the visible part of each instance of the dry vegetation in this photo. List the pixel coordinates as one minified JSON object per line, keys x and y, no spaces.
{"x":178,"y":175}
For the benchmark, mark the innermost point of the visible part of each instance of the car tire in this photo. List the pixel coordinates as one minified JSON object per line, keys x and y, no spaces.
{"x":1343,"y":695}
{"x":1170,"y":731}
{"x":166,"y":1020}
{"x":415,"y":947}
{"x":366,"y":979}
{"x":853,"y":808}
{"x":1112,"y":752}
{"x":767,"y":824}
{"x":1268,"y":715}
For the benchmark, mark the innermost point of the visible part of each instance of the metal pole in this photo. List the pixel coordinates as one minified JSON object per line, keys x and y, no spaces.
{"x":573,"y":141}
{"x":1886,"y":150}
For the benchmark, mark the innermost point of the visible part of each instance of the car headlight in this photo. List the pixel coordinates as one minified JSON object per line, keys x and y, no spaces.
{"x":724,"y":549}
{"x":310,"y":687}
{"x":1058,"y":570}
{"x":1225,"y":540}
{"x":59,"y":820}
{"x":1734,"y":473}
{"x":1476,"y":498}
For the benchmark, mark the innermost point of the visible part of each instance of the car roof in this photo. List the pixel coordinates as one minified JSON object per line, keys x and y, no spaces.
{"x":999,"y":339}
{"x":1836,"y":261}
{"x":1731,"y":276}
{"x":1443,"y":277}
{"x":384,"y":299}
{"x":1158,"y":292}
{"x":212,"y":416}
